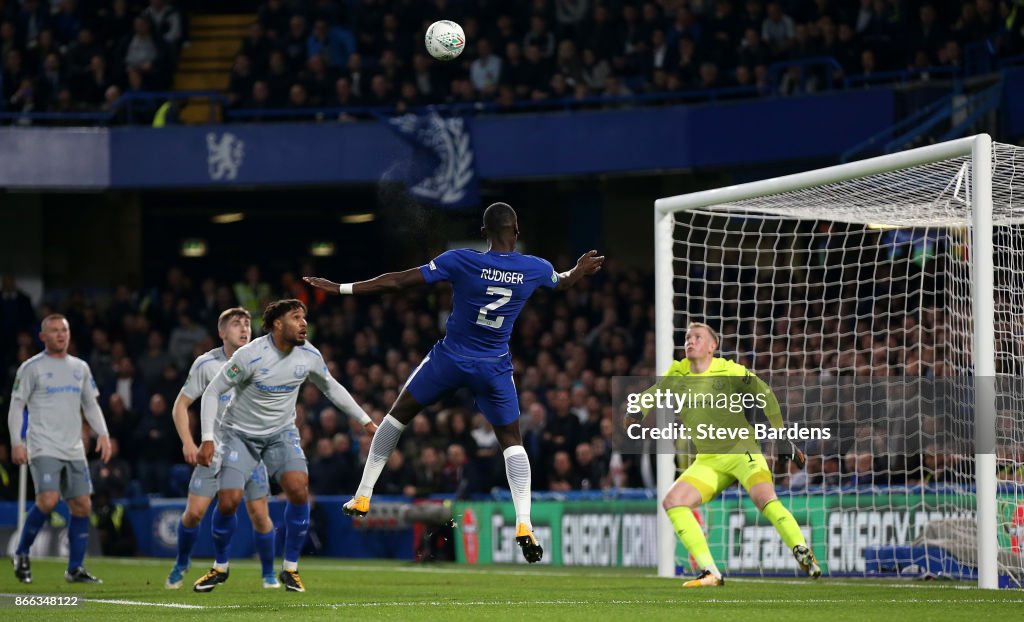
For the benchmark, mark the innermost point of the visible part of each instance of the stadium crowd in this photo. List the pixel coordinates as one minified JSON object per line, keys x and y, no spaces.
{"x":566,"y":349}
{"x":82,"y":55}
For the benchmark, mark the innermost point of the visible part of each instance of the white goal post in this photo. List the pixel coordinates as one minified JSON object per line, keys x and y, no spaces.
{"x":903,"y":209}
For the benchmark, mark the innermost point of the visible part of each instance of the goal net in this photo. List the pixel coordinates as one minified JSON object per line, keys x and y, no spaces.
{"x":882,"y":300}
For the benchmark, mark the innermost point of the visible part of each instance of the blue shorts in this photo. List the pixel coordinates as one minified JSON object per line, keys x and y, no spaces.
{"x":490,"y":380}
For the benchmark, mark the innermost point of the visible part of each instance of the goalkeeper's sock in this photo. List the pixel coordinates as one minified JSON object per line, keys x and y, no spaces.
{"x":78,"y":541}
{"x":517,"y":467}
{"x":296,"y":526}
{"x":186,"y":542}
{"x":265,"y":549}
{"x":384,"y":441}
{"x":223,"y":529}
{"x":692,"y":536}
{"x":33,"y":523}
{"x":784,"y":523}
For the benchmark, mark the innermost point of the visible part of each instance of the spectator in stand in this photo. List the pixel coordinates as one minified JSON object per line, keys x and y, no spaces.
{"x":155,"y":432}
{"x":166,"y":23}
{"x":145,"y":54}
{"x":485,"y":71}
{"x":562,"y":477}
{"x":128,"y":385}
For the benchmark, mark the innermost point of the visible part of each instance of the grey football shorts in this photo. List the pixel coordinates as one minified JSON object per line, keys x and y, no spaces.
{"x":239,"y":453}
{"x":205,"y":483}
{"x":70,"y":477}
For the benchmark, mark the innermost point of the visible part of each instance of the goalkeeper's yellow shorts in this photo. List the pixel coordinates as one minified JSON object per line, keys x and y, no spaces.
{"x":710,"y":474}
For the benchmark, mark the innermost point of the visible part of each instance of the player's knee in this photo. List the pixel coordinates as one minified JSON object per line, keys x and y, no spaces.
{"x":46,"y":502}
{"x":681,"y":496}
{"x":675,"y":501}
{"x":227,"y":504}
{"x":261,"y":522}
{"x":297,"y":495}
{"x":191,"y":518}
{"x":80,"y":506}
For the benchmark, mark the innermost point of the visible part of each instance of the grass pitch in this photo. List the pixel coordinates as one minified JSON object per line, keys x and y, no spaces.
{"x":134,"y":589}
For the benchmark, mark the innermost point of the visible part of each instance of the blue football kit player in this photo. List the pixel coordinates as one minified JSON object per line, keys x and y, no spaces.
{"x":489,"y":290}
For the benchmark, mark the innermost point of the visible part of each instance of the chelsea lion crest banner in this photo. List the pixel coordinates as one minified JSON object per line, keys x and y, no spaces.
{"x":442,"y":171}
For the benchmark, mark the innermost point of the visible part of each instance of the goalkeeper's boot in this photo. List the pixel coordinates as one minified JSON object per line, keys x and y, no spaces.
{"x":270,"y":582}
{"x":22,"y":568}
{"x":705,"y":579}
{"x":358,"y":506}
{"x":81,"y":575}
{"x":291,"y":580}
{"x":532,"y":550}
{"x":176,"y":578}
{"x":808,"y":563}
{"x":210,"y":580}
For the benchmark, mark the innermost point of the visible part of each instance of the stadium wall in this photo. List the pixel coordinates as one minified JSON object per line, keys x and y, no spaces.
{"x":581,"y":533}
{"x":1013,"y":96}
{"x":506,"y":147}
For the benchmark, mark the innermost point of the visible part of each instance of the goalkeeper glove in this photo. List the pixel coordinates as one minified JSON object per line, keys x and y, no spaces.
{"x":795,"y":454}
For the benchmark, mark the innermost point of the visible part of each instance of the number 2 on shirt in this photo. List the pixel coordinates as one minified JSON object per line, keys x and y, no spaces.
{"x":505,"y":295}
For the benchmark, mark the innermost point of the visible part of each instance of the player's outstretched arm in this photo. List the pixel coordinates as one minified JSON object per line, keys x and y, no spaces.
{"x":588,"y":265}
{"x":392,"y":281}
{"x":340,"y":397}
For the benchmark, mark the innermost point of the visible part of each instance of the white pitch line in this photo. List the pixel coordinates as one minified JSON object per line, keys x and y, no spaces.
{"x":142,"y":603}
{"x":138,"y":603}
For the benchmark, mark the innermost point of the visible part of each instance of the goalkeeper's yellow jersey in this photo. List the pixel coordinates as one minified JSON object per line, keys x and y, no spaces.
{"x":734,"y":390}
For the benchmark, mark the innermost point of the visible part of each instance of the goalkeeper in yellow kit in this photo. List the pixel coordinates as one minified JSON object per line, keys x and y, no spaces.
{"x":721,"y":461}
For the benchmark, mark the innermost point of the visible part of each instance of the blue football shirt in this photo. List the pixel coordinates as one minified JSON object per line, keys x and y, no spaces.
{"x":489,"y":291}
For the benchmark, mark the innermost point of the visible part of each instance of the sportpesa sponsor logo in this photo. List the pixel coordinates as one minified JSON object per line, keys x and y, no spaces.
{"x":275,"y":388}
{"x":70,"y":388}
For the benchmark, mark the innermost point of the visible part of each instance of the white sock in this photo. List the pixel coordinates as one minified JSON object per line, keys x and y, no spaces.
{"x":291,"y":566}
{"x":384,"y":441}
{"x":220,"y":567}
{"x":714,"y":569}
{"x":517,"y":467}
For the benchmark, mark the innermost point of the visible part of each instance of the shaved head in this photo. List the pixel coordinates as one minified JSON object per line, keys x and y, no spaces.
{"x":499,"y":216}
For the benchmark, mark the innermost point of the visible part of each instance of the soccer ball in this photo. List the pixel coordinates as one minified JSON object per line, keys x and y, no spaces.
{"x":445,"y":40}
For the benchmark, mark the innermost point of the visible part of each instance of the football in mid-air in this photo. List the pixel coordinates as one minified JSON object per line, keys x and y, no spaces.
{"x":445,"y":40}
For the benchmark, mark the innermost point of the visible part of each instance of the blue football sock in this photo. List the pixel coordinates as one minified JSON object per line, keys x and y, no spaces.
{"x":33,"y":523}
{"x":78,"y":541}
{"x":186,"y":542}
{"x":296,"y":526}
{"x":223,"y":530}
{"x":265,"y":548}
